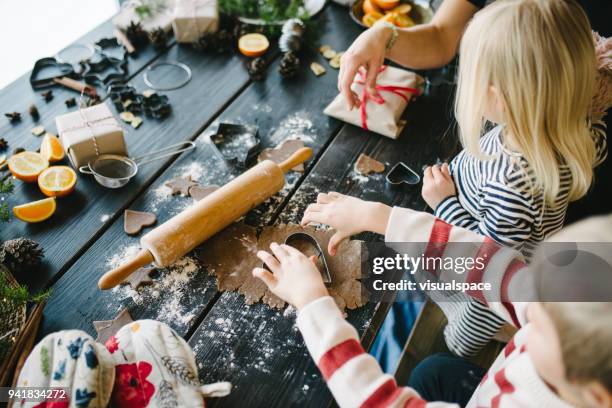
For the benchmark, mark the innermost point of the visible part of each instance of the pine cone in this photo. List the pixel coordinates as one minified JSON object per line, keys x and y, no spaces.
{"x":257,"y":69}
{"x":158,"y":38}
{"x":137,"y":35}
{"x":33,"y":110}
{"x":3,"y":144}
{"x":21,"y":254}
{"x":289,"y":65}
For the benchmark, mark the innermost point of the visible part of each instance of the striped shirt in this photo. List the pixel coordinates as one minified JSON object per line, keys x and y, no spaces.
{"x":495,"y":198}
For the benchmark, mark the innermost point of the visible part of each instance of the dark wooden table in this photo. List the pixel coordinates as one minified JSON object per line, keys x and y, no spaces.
{"x":258,"y":349}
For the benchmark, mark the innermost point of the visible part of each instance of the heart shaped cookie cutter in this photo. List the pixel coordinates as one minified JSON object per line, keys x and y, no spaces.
{"x":401,"y":173}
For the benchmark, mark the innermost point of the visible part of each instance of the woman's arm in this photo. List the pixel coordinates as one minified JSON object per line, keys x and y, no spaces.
{"x":424,"y":46}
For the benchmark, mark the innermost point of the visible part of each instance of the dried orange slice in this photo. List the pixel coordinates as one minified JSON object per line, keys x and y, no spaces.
{"x":57,"y":181}
{"x":403,"y":21}
{"x":253,"y":45}
{"x":387,"y":4}
{"x":370,"y":7}
{"x":51,"y":148}
{"x":391,"y":18}
{"x":402,"y":9}
{"x":36,"y":211}
{"x":370,"y":19}
{"x":26,"y":166}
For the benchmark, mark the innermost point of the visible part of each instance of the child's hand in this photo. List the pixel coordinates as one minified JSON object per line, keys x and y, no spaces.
{"x":347,"y":215}
{"x":437,"y":185}
{"x":294,"y":277}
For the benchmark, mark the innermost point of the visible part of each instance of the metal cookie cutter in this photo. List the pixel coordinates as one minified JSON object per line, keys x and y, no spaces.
{"x":237,"y":143}
{"x":304,"y":237}
{"x":401,"y":173}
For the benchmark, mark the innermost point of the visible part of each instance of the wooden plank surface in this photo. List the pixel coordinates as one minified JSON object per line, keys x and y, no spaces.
{"x":281,"y":108}
{"x":259,"y":349}
{"x":89,"y":210}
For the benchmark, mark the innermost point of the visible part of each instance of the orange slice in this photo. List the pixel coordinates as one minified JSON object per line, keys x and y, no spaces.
{"x":391,"y":18}
{"x":57,"y":181}
{"x":36,"y":211}
{"x":402,"y":9}
{"x":26,"y":166}
{"x":51,"y":148}
{"x":387,"y":4}
{"x":253,"y":45}
{"x":370,"y":19}
{"x":403,"y":21}
{"x":370,"y":7}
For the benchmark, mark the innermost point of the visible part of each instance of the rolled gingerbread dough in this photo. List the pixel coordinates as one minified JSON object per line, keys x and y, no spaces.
{"x":230,"y":256}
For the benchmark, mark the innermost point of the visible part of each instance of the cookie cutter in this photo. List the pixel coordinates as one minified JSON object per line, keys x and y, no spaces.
{"x":179,"y":84}
{"x":401,"y":173}
{"x":234,"y":150}
{"x":303,"y":236}
{"x":62,"y":70}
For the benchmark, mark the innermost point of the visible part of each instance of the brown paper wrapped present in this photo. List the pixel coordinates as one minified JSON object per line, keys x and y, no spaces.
{"x":380,"y":113}
{"x":154,"y":14}
{"x":89,"y":132}
{"x":192,"y":18}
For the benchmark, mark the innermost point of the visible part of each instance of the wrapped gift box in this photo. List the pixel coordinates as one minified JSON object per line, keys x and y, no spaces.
{"x":380,"y":113}
{"x":77,"y":131}
{"x":192,"y":18}
{"x":158,"y":15}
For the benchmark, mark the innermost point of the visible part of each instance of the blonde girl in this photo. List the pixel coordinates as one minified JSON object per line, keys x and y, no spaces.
{"x":527,"y":68}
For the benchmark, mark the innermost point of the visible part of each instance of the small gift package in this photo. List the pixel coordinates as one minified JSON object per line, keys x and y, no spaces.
{"x":151,"y":14}
{"x":192,"y":18}
{"x":381,"y":113}
{"x":89,"y":132}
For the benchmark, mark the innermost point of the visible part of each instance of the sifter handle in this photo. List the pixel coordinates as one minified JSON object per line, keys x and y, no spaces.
{"x":297,"y":158}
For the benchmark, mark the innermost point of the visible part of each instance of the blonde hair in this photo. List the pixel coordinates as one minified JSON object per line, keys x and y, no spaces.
{"x":585,"y":334}
{"x":540,"y":57}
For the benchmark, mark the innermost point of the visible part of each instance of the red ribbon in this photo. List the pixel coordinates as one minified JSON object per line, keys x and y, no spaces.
{"x":402,"y":91}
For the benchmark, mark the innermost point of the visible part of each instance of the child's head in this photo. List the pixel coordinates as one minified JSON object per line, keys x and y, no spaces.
{"x":571,"y":347}
{"x":530,"y":65}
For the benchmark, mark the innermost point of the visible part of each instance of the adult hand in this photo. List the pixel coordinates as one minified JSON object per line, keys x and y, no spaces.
{"x":347,"y":215}
{"x":367,"y":51}
{"x":292,"y":277}
{"x":437,"y":185}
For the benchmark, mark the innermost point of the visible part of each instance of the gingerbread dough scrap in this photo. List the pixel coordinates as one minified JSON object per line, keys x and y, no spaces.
{"x":139,"y":277}
{"x":107,"y":328}
{"x":135,"y":221}
{"x":366,"y":165}
{"x":282,"y":152}
{"x":199,"y":192}
{"x":180,"y":185}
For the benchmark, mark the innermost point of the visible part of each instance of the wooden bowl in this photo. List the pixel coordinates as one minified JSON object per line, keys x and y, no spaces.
{"x":421,"y":11}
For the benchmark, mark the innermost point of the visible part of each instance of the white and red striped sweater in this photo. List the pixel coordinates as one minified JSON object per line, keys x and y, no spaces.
{"x":355,"y":378}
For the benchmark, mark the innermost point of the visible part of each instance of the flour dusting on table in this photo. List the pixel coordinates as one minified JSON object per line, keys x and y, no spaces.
{"x":295,"y":126}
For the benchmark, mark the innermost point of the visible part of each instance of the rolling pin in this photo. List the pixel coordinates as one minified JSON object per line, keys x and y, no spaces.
{"x":167,"y":243}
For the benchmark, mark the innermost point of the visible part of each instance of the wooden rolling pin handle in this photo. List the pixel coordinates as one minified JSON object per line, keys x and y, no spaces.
{"x":113,"y":278}
{"x":297,"y":158}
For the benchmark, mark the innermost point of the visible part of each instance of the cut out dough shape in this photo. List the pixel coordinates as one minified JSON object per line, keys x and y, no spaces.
{"x":231,"y":256}
{"x":366,"y":165}
{"x":180,"y":185}
{"x":135,"y":221}
{"x":282,"y":152}
{"x":107,"y":328}
{"x":199,"y":192}
{"x":139,"y":277}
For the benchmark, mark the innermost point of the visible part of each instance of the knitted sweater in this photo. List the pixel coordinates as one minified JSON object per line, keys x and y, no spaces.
{"x":355,"y":378}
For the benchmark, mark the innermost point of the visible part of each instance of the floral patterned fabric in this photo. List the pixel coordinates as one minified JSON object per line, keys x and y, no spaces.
{"x":70,"y":359}
{"x":145,"y":364}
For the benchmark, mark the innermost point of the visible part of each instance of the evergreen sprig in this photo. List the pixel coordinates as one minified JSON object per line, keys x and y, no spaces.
{"x":6,"y":188}
{"x":267,"y":10}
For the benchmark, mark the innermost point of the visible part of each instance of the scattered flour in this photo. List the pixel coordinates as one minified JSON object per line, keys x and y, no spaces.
{"x":295,"y":126}
{"x":104,"y":217}
{"x":360,"y":178}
